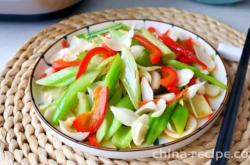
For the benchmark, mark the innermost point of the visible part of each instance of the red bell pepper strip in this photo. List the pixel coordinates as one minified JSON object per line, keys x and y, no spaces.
{"x":86,"y":59}
{"x":188,"y":44}
{"x":93,"y":141}
{"x":170,"y":79}
{"x":61,"y":64}
{"x":182,"y":54}
{"x":155,"y":52}
{"x":91,"y":121}
{"x":64,"y":43}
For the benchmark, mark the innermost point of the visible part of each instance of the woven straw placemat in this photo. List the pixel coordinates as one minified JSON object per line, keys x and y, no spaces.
{"x":24,"y":141}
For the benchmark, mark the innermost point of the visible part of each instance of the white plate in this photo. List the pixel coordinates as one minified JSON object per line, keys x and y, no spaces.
{"x":164,"y":144}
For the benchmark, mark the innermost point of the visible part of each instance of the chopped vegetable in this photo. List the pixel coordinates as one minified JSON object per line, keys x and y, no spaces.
{"x":104,"y":30}
{"x":122,"y":138}
{"x":113,"y":75}
{"x":66,"y":127}
{"x":69,"y":99}
{"x":199,"y":106}
{"x":93,"y":141}
{"x":181,"y":52}
{"x":130,"y":77}
{"x":91,"y":121}
{"x":170,"y":79}
{"x":56,"y":79}
{"x":116,"y":124}
{"x":102,"y":131}
{"x":83,"y":103}
{"x":164,"y":49}
{"x":180,"y":65}
{"x":124,"y":115}
{"x":155,"y":52}
{"x":139,"y":129}
{"x":86,"y":59}
{"x":180,"y":118}
{"x":61,"y":64}
{"x":157,"y":125}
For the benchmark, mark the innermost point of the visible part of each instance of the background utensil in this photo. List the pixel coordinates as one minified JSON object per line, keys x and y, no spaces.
{"x":227,"y":128}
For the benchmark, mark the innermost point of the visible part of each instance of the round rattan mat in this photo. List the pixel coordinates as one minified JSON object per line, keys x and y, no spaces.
{"x":24,"y":141}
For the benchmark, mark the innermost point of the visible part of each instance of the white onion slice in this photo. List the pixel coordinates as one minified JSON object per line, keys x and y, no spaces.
{"x":124,"y":115}
{"x":156,"y":77}
{"x":65,"y":127}
{"x":190,"y":127}
{"x":193,"y":89}
{"x":139,"y":129}
{"x":184,"y":75}
{"x":167,"y":97}
{"x":147,"y":91}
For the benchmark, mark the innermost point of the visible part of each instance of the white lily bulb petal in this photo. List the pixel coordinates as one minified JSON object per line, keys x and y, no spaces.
{"x":117,"y":44}
{"x":139,"y":129}
{"x":184,"y":75}
{"x":167,"y":97}
{"x":149,"y":68}
{"x":161,"y":106}
{"x":146,"y":74}
{"x":147,"y":91}
{"x":146,"y":108}
{"x":212,"y":90}
{"x":65,"y":127}
{"x":156,"y":77}
{"x":192,"y":90}
{"x":76,"y":45}
{"x":126,"y":39}
{"x":208,"y":61}
{"x":190,"y":127}
{"x":137,"y":50}
{"x":170,"y":127}
{"x":113,"y":43}
{"x":124,"y":115}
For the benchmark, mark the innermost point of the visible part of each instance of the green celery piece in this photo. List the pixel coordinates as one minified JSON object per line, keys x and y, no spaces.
{"x":83,"y":104}
{"x":113,"y":75}
{"x":102,"y":131}
{"x":157,"y":125}
{"x":116,"y":124}
{"x":180,"y":65}
{"x":66,"y":82}
{"x":58,"y":78}
{"x":116,"y":96}
{"x":180,"y":118}
{"x":164,"y":49}
{"x":104,"y":30}
{"x":130,"y":77}
{"x":122,"y":138}
{"x":52,"y":107}
{"x":115,"y":33}
{"x":69,"y":100}
{"x":144,"y":59}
